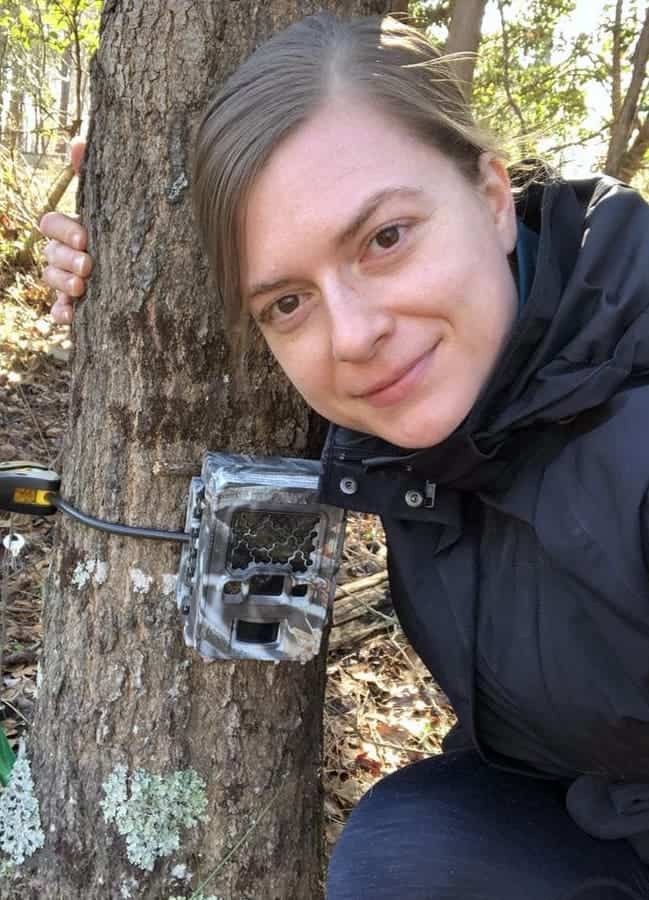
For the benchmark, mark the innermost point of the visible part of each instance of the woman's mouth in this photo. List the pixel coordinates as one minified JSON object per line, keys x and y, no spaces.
{"x":400,"y":386}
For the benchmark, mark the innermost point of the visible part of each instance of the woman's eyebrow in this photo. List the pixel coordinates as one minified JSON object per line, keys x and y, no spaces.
{"x":267,"y":287}
{"x":369,"y":207}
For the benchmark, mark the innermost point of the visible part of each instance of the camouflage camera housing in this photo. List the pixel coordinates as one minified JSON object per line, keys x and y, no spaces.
{"x":257,"y":578}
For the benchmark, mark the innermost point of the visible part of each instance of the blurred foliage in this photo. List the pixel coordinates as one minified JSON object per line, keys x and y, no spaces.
{"x":23,"y":193}
{"x":39,"y":40}
{"x":56,"y":23}
{"x":432,"y":17}
{"x":542,"y":85}
{"x":531,"y":79}
{"x":19,"y":204}
{"x":45,"y":48}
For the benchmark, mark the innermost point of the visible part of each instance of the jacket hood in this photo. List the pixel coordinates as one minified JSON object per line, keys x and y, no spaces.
{"x":582,"y":333}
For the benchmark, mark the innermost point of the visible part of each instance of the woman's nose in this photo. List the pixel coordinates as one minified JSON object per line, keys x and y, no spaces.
{"x":359,"y":322}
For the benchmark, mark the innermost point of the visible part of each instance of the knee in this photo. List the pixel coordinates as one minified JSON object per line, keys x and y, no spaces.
{"x":386,"y":847}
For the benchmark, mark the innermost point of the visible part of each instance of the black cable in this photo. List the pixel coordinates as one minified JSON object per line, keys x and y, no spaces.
{"x":154,"y":534}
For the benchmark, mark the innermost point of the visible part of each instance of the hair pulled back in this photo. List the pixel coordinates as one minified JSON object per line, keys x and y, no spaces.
{"x":378,"y":59}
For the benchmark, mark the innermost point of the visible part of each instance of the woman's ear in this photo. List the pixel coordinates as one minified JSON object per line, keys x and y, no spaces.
{"x":496,"y":190}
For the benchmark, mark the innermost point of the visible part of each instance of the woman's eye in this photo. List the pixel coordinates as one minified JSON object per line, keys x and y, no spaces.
{"x":387,"y":237}
{"x":287,"y":305}
{"x":281,"y":311}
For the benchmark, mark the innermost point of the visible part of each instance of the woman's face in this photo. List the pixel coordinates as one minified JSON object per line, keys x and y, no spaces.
{"x":378,"y":273}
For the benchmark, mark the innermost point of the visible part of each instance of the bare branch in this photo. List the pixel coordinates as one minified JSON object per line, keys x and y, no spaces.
{"x":59,"y":187}
{"x":632,"y":160}
{"x":506,"y":79}
{"x":623,"y":125}
{"x":616,"y":67}
{"x":577,"y":142}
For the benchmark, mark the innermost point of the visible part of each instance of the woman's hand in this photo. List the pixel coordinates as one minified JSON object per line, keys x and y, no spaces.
{"x":69,"y":265}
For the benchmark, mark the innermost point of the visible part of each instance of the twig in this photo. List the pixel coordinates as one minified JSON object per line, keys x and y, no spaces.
{"x":506,"y":80}
{"x":14,"y":709}
{"x":34,"y":420}
{"x":60,"y":186}
{"x":386,"y":745}
{"x":361,"y":583}
{"x":417,"y":675}
{"x":20,"y":658}
{"x":391,"y":620}
{"x":4,"y":594}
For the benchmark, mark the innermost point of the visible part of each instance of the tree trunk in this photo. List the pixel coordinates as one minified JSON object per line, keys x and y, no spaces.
{"x":621,"y":153}
{"x":464,"y":37}
{"x":150,"y":392}
{"x":635,"y":156}
{"x":4,"y":68}
{"x":64,"y":101}
{"x":14,"y":135}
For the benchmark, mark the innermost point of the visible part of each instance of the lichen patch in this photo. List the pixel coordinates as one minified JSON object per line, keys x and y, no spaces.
{"x":140,"y":581}
{"x":86,"y":569}
{"x":149,"y":810}
{"x":169,"y":584}
{"x":21,"y":834}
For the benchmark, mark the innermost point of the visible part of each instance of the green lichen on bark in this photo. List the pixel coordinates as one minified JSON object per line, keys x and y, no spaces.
{"x":21,"y":834}
{"x":149,"y":810}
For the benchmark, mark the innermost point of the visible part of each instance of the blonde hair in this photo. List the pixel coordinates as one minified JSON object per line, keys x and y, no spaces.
{"x":283,"y":84}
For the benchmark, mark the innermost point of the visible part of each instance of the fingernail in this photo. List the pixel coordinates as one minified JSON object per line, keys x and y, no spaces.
{"x":79,"y":264}
{"x":71,"y":283}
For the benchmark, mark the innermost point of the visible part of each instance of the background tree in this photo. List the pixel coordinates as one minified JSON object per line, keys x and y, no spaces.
{"x":457,"y":24}
{"x":627,"y":73}
{"x":150,"y":392}
{"x":42,"y":43}
{"x":464,"y":30}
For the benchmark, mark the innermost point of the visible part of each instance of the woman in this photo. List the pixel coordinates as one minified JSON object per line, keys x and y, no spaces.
{"x":485,"y":363}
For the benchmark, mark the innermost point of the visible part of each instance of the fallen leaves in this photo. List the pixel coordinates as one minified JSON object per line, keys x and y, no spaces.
{"x":382,"y":708}
{"x":33,"y":403}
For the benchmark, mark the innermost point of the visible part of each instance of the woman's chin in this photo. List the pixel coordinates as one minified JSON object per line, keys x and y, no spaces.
{"x":415,"y":435}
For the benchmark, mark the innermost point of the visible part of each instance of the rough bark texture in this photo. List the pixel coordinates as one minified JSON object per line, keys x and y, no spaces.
{"x":151,"y":391}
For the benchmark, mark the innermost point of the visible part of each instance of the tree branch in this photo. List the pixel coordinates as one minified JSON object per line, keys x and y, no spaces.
{"x":506,"y":79}
{"x":623,"y":125}
{"x":616,"y":66}
{"x":632,"y":160}
{"x":463,"y":38}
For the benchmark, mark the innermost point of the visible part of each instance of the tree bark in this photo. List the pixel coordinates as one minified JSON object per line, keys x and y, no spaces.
{"x":151,"y":390}
{"x":14,"y":134}
{"x":464,"y":37}
{"x":64,"y":100}
{"x":633,"y":159}
{"x":617,"y":160}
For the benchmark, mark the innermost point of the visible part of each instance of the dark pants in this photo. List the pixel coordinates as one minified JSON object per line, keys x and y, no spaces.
{"x":452,"y":828}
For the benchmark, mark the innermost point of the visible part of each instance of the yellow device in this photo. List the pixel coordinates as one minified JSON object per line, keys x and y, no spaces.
{"x":28,"y":487}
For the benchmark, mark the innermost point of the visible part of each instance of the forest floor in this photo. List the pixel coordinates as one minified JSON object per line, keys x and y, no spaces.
{"x":382,"y":709}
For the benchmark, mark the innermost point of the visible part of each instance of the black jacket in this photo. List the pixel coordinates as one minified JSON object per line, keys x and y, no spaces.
{"x":522,"y":577}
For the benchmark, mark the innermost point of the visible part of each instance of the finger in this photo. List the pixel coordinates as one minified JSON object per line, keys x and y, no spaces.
{"x":64,"y":229}
{"x":73,"y":261}
{"x":64,"y":282}
{"x":63,"y":310}
{"x":77,"y":152}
